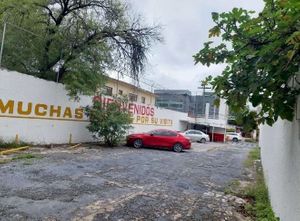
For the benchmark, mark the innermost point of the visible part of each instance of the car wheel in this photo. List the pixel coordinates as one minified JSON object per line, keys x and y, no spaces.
{"x":177,"y":147}
{"x":138,"y":143}
{"x":203,"y":140}
{"x":235,"y":139}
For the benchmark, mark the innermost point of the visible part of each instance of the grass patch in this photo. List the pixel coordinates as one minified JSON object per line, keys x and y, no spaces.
{"x":232,"y":187}
{"x":260,"y":208}
{"x":27,"y":158}
{"x":4,"y":161}
{"x":256,"y":193}
{"x":24,"y":156}
{"x":28,"y":162}
{"x":254,"y":155}
{"x":250,"y":140}
{"x":12,"y":144}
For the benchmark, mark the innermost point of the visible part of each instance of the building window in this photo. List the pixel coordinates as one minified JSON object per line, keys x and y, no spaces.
{"x":107,"y":91}
{"x":143,"y":100}
{"x":132,"y":97}
{"x":161,"y":104}
{"x":176,"y":105}
{"x":120,"y":92}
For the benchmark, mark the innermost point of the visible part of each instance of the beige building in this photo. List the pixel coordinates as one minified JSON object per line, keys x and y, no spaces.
{"x":134,"y":94}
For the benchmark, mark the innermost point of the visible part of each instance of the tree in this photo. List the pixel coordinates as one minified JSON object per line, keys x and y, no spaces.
{"x":246,"y":119}
{"x":262,"y":56}
{"x":75,"y":42}
{"x":109,"y":122}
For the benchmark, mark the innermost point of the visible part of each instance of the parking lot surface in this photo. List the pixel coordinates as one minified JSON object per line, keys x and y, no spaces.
{"x":123,"y":183}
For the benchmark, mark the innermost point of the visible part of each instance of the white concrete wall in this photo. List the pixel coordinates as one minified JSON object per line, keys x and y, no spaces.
{"x":20,"y":87}
{"x":45,"y":129}
{"x":281,"y":162}
{"x":179,"y":121}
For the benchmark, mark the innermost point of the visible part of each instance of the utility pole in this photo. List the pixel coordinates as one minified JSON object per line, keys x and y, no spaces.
{"x":2,"y":43}
{"x":203,"y":86}
{"x":195,"y":108}
{"x":213,"y":129}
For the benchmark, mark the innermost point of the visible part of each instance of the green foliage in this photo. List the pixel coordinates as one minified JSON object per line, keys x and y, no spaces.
{"x":110,"y":121}
{"x":74,"y":42}
{"x":247,"y":119}
{"x":262,"y":56}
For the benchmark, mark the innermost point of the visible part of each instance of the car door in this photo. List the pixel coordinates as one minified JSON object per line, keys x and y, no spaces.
{"x":149,"y":139}
{"x":162,"y":139}
{"x":189,"y":134}
{"x":193,"y":135}
{"x":198,"y":135}
{"x":170,"y":139}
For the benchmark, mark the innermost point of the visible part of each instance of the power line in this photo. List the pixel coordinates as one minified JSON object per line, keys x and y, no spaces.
{"x":23,"y":29}
{"x":147,"y":82}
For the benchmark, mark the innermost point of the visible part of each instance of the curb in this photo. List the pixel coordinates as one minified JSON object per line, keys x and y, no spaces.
{"x":74,"y":146}
{"x":5,"y":152}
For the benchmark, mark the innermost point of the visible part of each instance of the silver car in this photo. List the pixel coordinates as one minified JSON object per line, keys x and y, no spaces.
{"x":234,"y":137}
{"x":196,"y":136}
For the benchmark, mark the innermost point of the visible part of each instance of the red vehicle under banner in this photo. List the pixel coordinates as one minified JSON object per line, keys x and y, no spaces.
{"x":167,"y":139}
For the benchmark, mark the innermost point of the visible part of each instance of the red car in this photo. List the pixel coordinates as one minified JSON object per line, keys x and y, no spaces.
{"x":168,"y":139}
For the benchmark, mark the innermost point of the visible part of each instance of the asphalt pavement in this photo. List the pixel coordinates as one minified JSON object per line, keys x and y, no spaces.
{"x":98,"y":183}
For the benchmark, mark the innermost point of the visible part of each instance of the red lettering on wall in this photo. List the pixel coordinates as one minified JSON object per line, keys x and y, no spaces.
{"x":152,"y":112}
{"x":132,"y":108}
{"x":109,"y":100}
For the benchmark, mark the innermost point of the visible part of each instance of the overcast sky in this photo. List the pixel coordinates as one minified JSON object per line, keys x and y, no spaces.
{"x":185,"y":26}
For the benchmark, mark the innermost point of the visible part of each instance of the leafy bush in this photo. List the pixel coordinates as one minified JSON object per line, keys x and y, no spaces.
{"x":109,"y":122}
